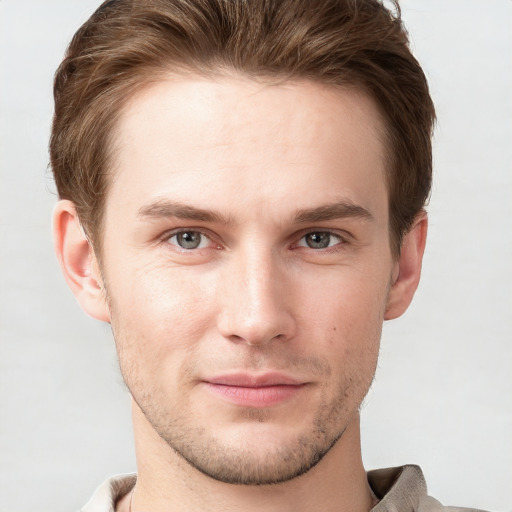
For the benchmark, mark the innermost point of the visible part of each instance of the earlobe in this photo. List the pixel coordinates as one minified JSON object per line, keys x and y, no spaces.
{"x":408,"y":269}
{"x":78,"y":261}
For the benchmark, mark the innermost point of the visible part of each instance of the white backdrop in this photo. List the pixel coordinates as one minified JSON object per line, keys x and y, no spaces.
{"x":443,"y":392}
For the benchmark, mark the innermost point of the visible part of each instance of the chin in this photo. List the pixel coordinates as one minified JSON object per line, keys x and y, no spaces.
{"x":256,"y":452}
{"x":255,"y":466}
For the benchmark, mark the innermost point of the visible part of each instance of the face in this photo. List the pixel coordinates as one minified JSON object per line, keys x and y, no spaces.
{"x":247,"y":263}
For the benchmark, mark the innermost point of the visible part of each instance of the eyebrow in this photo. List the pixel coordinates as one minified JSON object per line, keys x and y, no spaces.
{"x":338,"y":210}
{"x":165,"y":208}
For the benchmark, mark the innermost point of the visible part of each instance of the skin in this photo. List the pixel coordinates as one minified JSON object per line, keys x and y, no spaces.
{"x":282,"y":186}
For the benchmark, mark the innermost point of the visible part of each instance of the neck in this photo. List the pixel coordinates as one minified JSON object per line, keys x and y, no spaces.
{"x":167,"y":483}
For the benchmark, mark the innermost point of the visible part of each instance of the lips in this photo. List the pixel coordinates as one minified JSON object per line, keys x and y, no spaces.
{"x":259,"y":391}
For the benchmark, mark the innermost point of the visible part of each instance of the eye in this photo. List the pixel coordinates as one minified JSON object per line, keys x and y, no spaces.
{"x":189,"y":240}
{"x":320,"y":240}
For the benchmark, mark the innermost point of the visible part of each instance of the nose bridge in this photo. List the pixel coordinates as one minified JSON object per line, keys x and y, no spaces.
{"x":254,"y":308}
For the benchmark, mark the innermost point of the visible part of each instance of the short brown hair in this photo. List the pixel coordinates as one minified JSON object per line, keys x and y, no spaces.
{"x":128,"y":43}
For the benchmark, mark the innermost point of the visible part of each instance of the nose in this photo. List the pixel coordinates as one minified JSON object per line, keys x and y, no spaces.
{"x":255,"y":300}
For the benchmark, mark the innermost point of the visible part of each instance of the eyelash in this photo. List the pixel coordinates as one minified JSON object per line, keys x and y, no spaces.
{"x":342,"y":238}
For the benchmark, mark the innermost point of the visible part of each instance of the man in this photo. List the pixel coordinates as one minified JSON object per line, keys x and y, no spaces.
{"x":242,"y":190}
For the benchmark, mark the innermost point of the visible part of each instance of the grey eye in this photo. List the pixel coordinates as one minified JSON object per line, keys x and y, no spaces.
{"x":319,"y":240}
{"x":189,"y":240}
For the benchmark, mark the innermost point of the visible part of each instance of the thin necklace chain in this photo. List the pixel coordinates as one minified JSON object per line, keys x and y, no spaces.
{"x":131,"y":499}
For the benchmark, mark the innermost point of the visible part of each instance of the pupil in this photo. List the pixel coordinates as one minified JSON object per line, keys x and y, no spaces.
{"x":318,"y":240}
{"x":189,"y":239}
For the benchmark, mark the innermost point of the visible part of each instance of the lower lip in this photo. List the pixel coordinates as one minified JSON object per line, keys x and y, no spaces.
{"x":264,"y":396}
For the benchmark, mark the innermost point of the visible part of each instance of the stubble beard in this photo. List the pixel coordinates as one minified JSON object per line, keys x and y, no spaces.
{"x":240,"y":465}
{"x":246,"y":464}
{"x":236,"y":464}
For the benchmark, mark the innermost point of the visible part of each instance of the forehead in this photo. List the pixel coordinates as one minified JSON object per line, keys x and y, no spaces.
{"x":234,"y":142}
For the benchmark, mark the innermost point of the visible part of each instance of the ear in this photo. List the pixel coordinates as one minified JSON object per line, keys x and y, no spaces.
{"x":407,"y":269}
{"x":78,"y":261}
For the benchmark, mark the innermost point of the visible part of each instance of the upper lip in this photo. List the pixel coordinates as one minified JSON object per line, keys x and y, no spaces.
{"x":248,"y":380}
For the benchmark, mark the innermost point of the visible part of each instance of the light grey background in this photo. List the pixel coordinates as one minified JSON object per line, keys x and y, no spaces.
{"x":443,"y":392}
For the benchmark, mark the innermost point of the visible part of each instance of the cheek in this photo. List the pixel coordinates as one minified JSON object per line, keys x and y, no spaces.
{"x":345,"y":301}
{"x":157,"y":312}
{"x":345,"y":315}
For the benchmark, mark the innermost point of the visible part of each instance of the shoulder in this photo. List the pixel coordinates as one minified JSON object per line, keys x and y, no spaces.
{"x":404,"y":489}
{"x":109,"y":493}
